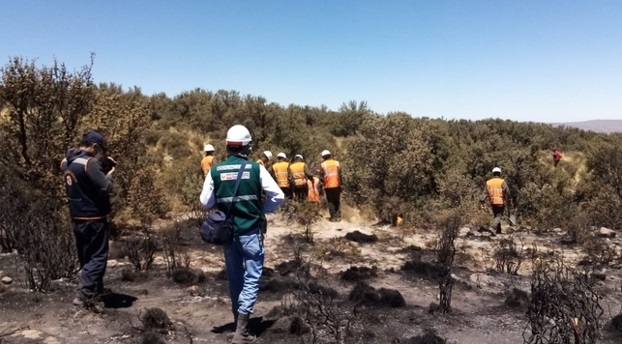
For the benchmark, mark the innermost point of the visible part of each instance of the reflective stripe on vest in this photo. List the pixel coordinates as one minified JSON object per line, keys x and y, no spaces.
{"x":82,"y":161}
{"x":298,"y":173}
{"x":495,"y":191}
{"x":237,"y":198}
{"x":281,"y":174}
{"x":331,"y":174}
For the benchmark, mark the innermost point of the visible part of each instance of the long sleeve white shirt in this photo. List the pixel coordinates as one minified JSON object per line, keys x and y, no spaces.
{"x":275,"y":197}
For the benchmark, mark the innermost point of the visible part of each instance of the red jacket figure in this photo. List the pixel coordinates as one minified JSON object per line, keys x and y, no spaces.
{"x":557,"y":156}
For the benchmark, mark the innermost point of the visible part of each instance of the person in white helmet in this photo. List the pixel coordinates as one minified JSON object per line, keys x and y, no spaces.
{"x":244,"y":256}
{"x":265,"y":160}
{"x":208,"y":160}
{"x":299,"y":175}
{"x":330,"y":175}
{"x":498,"y":195}
{"x":281,"y":175}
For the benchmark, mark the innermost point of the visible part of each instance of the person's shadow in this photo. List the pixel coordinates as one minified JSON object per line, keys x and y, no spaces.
{"x":117,"y":300}
{"x":257,"y":326}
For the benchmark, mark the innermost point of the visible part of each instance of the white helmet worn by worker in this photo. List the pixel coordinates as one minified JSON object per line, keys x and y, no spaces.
{"x":325,"y":153}
{"x":281,"y":155}
{"x":496,"y":170}
{"x":268,"y":154}
{"x":238,"y":135}
{"x":208,"y":148}
{"x":299,"y":156}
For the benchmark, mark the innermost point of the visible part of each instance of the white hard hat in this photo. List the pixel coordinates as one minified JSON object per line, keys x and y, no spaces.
{"x":238,"y":135}
{"x":298,"y":156}
{"x":325,"y":152}
{"x":268,"y":154}
{"x":208,"y":148}
{"x":281,"y":155}
{"x":496,"y":170}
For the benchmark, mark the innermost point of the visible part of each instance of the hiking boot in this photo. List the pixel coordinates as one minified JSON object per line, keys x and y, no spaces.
{"x":242,"y":335}
{"x":96,"y":307}
{"x":94,"y":304}
{"x":79,"y":300}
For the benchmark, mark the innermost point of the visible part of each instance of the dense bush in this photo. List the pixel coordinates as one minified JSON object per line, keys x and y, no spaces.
{"x":391,"y":164}
{"x":44,"y":111}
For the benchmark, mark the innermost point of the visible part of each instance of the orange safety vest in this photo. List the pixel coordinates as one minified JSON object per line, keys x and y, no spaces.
{"x":206,"y":164}
{"x":298,"y":173}
{"x":314,"y":192}
{"x":281,"y":174}
{"x":331,"y":170}
{"x":494,"y":187}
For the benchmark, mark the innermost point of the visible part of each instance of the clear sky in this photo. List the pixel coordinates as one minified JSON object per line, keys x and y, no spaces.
{"x":524,"y":60}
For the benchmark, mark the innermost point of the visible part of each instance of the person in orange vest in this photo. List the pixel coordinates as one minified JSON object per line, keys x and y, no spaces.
{"x":299,"y":175}
{"x":557,"y":157}
{"x":265,"y":160}
{"x":314,"y":188}
{"x":332,"y":180}
{"x":497,"y":193}
{"x":281,"y":174}
{"x":209,"y":160}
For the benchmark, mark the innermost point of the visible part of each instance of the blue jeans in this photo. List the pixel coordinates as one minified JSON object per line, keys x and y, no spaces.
{"x":244,"y":263}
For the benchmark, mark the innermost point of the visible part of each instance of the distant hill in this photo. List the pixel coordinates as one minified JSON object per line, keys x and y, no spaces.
{"x":599,"y":125}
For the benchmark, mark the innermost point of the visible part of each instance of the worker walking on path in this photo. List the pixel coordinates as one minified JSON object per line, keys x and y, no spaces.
{"x":299,"y":175}
{"x":244,"y":256}
{"x":281,"y":174}
{"x":88,"y":187}
{"x":209,"y":160}
{"x":497,"y":193}
{"x":330,"y":174}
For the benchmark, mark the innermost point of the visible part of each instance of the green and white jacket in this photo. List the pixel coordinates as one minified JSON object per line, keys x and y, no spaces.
{"x":247,"y":210}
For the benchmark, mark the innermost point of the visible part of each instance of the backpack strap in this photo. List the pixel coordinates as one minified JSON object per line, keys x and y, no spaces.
{"x":236,"y":187}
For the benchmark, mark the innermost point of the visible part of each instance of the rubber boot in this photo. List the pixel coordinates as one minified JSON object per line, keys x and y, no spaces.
{"x":242,"y":336}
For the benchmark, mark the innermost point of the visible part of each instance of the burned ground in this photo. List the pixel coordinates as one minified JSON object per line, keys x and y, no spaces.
{"x":382,"y":292}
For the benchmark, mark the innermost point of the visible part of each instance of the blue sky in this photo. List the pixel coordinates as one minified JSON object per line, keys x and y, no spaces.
{"x":547,"y":61}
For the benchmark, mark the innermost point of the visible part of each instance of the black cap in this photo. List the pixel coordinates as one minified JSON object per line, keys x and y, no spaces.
{"x":95,"y":137}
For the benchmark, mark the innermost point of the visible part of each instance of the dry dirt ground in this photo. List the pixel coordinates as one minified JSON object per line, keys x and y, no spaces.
{"x":200,"y":311}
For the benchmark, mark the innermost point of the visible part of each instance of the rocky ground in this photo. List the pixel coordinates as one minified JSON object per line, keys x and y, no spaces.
{"x":342,"y":256}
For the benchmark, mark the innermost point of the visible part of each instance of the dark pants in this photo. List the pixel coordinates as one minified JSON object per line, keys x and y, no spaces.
{"x":288,"y":192}
{"x":92,"y":244}
{"x":333,"y":197}
{"x":301,"y":193}
{"x":497,"y":212}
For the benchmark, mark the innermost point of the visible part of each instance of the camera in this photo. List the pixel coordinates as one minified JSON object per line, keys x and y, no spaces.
{"x":107,"y":163}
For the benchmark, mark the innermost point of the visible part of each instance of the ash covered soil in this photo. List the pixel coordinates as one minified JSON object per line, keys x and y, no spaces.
{"x":387,"y":286}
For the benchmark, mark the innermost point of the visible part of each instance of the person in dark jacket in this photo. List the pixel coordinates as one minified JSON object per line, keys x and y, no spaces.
{"x":87,"y":174}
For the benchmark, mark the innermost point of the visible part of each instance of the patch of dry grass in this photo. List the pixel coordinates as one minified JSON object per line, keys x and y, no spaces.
{"x":336,"y":248}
